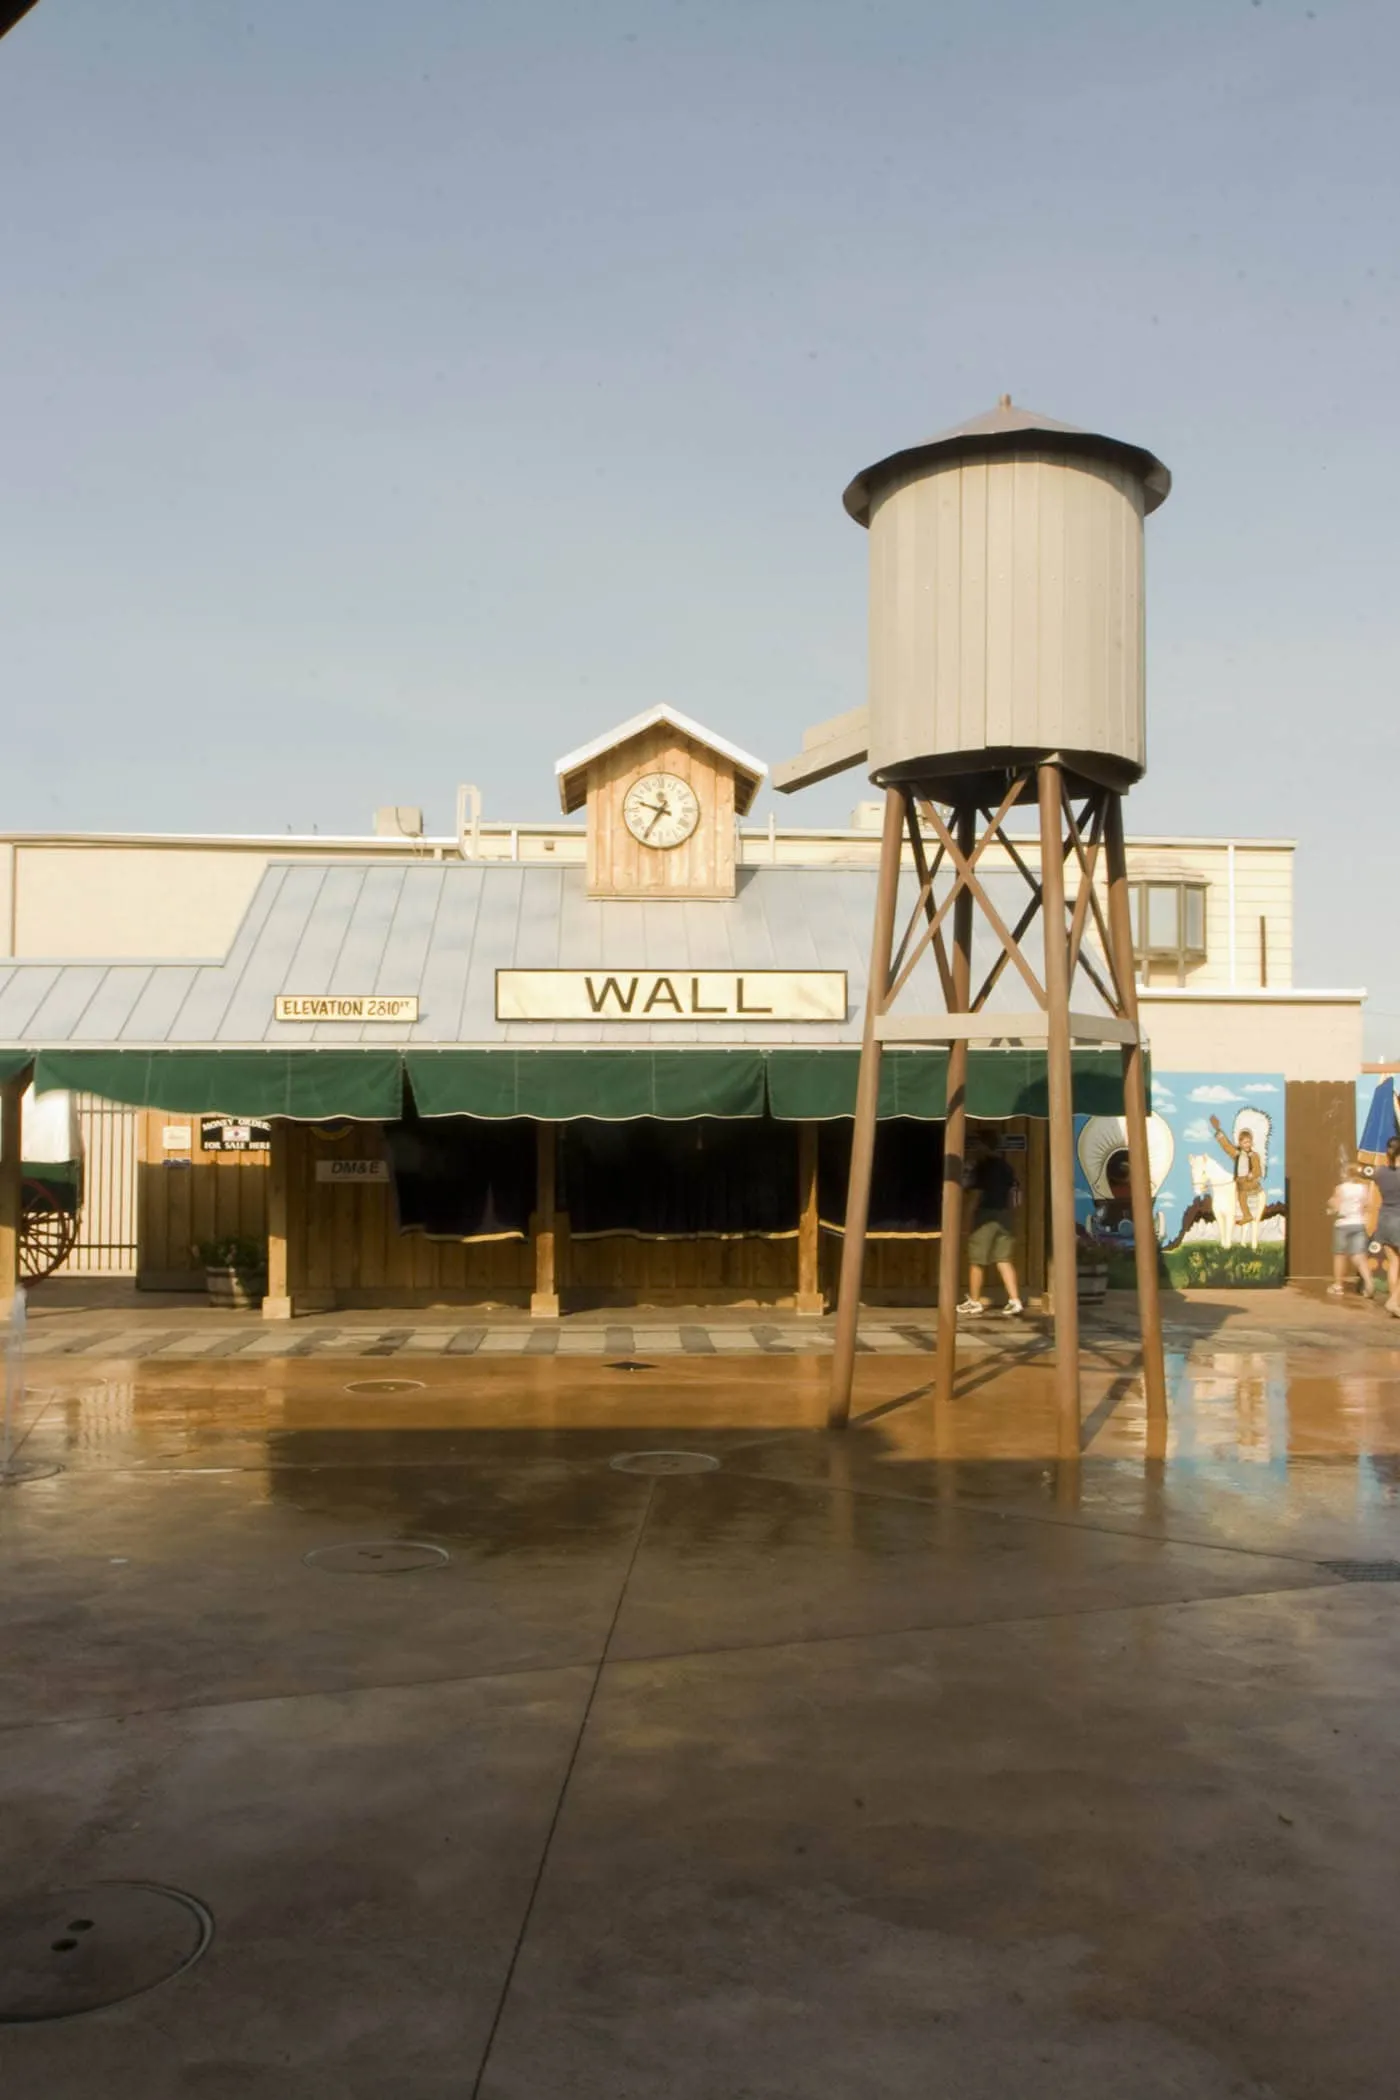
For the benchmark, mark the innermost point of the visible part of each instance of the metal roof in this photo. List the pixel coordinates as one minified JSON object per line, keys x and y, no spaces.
{"x":441,"y":930}
{"x":570,"y":770}
{"x":1007,"y":428}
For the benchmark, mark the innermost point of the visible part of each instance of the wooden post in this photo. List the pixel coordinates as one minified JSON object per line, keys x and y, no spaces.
{"x":544,"y":1299}
{"x":955,"y":1128}
{"x":1061,"y":1090}
{"x":1037,"y":1183}
{"x":809,"y":1291}
{"x":277,"y":1305}
{"x":843,"y":1362}
{"x":1154,"y":1377}
{"x":11,"y":1187}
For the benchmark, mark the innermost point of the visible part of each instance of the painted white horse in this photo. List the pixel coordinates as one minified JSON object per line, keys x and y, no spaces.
{"x":1216,"y":1178}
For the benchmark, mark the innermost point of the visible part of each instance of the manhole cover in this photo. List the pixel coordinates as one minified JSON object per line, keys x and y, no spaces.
{"x":377,"y":1557}
{"x":664,"y":1462}
{"x":385,"y":1385}
{"x":80,"y":1948}
{"x":19,"y":1470}
{"x":630,"y":1363}
{"x":1363,"y":1570}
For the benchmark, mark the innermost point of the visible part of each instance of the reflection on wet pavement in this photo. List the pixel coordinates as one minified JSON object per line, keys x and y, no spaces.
{"x":1029,"y":1752}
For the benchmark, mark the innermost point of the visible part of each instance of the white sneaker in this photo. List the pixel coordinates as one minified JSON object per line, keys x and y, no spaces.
{"x":1011,"y":1308}
{"x":972,"y":1308}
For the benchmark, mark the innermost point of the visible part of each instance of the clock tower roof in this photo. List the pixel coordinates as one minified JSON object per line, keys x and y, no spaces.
{"x":571,"y":771}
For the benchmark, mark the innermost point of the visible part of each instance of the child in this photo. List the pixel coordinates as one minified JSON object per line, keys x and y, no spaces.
{"x":1347,"y":1205}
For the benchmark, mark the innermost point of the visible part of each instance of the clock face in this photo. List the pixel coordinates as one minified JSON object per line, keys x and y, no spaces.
{"x":661,"y":809}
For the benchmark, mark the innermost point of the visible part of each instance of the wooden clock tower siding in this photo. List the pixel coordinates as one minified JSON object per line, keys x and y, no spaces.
{"x":619,"y":865}
{"x":724,"y":782}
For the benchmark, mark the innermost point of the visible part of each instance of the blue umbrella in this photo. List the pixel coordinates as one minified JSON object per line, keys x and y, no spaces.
{"x":1381,"y":1124}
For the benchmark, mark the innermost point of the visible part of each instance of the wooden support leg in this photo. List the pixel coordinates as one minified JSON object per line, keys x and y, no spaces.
{"x":1061,"y":1090}
{"x":955,"y":1130}
{"x":1154,"y":1376}
{"x":843,"y":1362}
{"x":544,"y":1299}
{"x":809,"y":1291}
{"x":277,"y":1305}
{"x":11,"y":1189}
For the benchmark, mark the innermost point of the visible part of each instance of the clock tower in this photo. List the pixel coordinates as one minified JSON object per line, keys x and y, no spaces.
{"x":661,"y":795}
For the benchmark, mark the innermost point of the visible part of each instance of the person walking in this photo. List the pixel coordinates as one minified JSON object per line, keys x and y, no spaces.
{"x":991,"y":1191}
{"x":1387,"y":1232}
{"x":1348,"y":1205}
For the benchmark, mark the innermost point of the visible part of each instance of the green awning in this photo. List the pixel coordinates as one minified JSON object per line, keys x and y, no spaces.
{"x":612,"y":1085}
{"x":556,"y":1086}
{"x":63,"y":1178}
{"x":308,"y":1085}
{"x":817,"y":1085}
{"x":1016,"y":1083}
{"x":13,"y":1062}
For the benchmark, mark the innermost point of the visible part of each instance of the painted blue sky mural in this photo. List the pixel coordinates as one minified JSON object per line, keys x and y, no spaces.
{"x":1216,"y":1149}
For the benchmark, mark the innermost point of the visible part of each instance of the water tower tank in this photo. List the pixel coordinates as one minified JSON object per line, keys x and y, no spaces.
{"x":1006,"y":601}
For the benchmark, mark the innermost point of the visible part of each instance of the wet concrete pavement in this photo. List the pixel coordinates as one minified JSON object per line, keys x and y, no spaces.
{"x":908,"y":1762}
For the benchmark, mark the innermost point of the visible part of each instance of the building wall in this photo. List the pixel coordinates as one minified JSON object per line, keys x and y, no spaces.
{"x":144,"y":899}
{"x":1304,"y":1038}
{"x":152,"y":902}
{"x":152,"y":898}
{"x":1263,"y":886}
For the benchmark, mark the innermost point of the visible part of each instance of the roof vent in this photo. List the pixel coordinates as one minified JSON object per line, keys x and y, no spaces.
{"x":397,"y":821}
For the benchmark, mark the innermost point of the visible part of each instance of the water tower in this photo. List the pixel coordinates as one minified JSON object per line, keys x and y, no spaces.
{"x":1006,"y":673}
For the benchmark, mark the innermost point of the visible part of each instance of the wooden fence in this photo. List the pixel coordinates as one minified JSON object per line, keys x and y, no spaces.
{"x":1321,"y":1139}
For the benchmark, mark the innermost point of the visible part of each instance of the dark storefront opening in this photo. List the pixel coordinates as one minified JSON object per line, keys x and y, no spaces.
{"x":682,"y":1180}
{"x":906,"y":1189}
{"x":459,"y":1177}
{"x":466,"y":1177}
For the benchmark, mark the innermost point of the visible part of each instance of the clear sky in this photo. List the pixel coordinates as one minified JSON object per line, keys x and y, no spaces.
{"x":396,"y":395}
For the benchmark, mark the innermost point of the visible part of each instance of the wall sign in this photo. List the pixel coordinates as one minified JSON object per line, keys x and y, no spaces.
{"x":670,"y":995}
{"x":359,"y":1006}
{"x":175,"y":1137}
{"x":230,"y":1134}
{"x":352,"y":1170}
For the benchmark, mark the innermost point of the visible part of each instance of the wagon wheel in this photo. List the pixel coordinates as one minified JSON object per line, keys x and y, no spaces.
{"x":47,"y":1231}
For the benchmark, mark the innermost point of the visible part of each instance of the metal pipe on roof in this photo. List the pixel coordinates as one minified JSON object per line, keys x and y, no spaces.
{"x":469,"y":798}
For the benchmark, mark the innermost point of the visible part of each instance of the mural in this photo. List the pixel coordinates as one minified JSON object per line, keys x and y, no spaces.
{"x":1215,"y":1144}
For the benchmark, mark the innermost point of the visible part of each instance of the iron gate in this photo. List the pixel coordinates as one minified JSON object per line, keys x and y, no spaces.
{"x":106,"y":1242}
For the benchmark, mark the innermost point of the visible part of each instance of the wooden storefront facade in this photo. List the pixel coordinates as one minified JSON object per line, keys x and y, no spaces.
{"x":338,"y":1243}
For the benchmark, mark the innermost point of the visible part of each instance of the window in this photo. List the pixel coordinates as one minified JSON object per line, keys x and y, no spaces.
{"x":1169,"y":924}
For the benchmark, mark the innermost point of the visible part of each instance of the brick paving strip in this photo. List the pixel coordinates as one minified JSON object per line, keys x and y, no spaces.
{"x":185,"y":1332}
{"x":614,"y":1341}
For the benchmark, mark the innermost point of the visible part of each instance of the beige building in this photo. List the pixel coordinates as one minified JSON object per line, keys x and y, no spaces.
{"x":1213,"y":917}
{"x":93,"y":925}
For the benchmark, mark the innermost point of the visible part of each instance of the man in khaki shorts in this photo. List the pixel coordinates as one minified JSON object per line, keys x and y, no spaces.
{"x":990,"y":1193}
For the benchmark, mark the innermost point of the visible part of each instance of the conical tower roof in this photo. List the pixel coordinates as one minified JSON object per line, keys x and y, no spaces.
{"x":1008,"y":429}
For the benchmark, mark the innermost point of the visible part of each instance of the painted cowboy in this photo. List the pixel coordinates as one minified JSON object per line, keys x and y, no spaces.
{"x":1249,"y":1171}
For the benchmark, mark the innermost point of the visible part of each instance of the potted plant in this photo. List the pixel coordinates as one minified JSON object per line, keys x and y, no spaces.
{"x":1091,"y":1265}
{"x":235,"y":1271}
